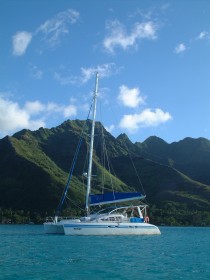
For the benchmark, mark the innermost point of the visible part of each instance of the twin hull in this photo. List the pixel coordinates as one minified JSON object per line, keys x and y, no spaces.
{"x":110,"y":229}
{"x":53,"y":228}
{"x":57,"y":227}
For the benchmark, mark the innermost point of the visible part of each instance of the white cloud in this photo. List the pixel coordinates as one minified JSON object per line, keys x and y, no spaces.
{"x":52,"y":107}
{"x":203,"y":36}
{"x":180,"y":48}
{"x":35,"y":124}
{"x":66,"y":111}
{"x":130,"y":97}
{"x":146,"y":118}
{"x":54,"y":28}
{"x":33,"y":108}
{"x":70,"y":111}
{"x":118,"y":36}
{"x":14,"y":118}
{"x":110,"y":128}
{"x":65,"y":80}
{"x":21,"y":40}
{"x":104,"y":70}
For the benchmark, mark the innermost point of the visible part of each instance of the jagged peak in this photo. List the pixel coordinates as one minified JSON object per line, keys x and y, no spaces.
{"x":22,"y":133}
{"x":155,"y":140}
{"x":70,"y":123}
{"x":197,"y":140}
{"x":124,"y":137}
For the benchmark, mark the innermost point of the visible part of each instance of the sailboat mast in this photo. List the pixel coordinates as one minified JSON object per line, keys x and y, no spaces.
{"x":89,"y":175}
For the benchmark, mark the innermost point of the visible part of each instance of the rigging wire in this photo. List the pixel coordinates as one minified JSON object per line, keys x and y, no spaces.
{"x":75,"y":204}
{"x":135,"y":169}
{"x":73,"y":165}
{"x":108,"y":162}
{"x":123,"y":142}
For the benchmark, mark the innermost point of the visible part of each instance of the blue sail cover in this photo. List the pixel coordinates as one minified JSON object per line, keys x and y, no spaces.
{"x":96,"y":199}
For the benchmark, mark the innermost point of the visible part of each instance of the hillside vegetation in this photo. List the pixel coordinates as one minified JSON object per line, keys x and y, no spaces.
{"x":34,"y":167}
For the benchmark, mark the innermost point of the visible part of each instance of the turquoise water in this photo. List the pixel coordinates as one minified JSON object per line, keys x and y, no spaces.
{"x":179,"y":253}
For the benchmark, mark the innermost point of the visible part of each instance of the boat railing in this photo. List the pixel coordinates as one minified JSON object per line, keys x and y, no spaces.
{"x":58,"y":219}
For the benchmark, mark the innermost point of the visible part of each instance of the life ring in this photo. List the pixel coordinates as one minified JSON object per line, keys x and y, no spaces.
{"x":146,"y":219}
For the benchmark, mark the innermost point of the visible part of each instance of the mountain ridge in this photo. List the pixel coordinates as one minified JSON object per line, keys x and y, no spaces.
{"x":35,"y":167}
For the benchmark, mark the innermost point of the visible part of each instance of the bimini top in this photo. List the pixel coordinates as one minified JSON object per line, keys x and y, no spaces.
{"x":111,"y":197}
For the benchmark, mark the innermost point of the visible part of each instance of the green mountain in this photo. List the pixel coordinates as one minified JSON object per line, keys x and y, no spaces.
{"x":34,"y":168}
{"x":190,"y":156}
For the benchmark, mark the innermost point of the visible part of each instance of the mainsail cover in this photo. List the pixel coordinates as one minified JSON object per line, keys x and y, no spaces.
{"x":99,"y":199}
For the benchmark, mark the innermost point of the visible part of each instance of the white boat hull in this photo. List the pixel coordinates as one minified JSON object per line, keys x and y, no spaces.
{"x":94,"y":228}
{"x":53,"y":228}
{"x":57,"y":227}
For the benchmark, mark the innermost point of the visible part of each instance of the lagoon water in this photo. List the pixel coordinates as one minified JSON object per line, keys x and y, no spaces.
{"x":178,"y":253}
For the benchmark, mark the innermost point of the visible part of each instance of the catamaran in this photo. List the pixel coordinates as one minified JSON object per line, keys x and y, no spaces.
{"x":117,"y":220}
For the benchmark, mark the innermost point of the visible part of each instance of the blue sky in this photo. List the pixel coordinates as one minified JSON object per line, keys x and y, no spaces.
{"x":153,"y":58}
